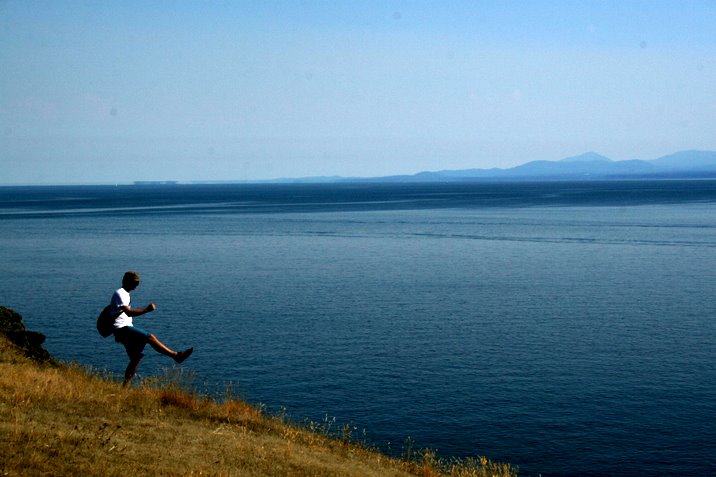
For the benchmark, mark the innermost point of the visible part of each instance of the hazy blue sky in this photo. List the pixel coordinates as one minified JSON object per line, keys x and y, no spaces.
{"x":97,"y":91}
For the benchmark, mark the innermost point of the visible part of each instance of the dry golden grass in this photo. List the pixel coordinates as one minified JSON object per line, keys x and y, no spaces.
{"x":63,"y":420}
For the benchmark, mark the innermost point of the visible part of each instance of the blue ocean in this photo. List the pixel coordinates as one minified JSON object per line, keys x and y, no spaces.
{"x":567,"y":328}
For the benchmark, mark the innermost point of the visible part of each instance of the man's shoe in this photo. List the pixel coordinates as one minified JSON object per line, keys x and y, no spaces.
{"x":182,"y":355}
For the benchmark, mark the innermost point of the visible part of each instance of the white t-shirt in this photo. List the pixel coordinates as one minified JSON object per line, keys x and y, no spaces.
{"x":120,"y":299}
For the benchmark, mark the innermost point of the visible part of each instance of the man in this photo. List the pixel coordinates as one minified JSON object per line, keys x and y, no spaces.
{"x":134,"y":339}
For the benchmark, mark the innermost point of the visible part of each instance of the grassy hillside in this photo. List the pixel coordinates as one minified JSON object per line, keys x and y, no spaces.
{"x":57,"y":419}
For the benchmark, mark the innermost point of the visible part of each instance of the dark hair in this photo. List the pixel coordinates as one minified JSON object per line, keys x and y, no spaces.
{"x":131,"y":278}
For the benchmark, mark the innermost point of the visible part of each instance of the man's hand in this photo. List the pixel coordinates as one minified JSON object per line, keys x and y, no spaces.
{"x":151,"y":307}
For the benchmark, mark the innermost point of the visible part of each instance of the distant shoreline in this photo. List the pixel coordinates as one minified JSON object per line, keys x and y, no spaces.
{"x":371,"y":181}
{"x":590,"y":166}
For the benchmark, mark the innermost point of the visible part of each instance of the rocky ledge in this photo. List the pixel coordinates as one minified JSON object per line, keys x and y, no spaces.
{"x":30,"y":342}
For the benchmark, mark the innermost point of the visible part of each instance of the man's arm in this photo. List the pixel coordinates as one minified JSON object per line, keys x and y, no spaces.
{"x":138,"y":311}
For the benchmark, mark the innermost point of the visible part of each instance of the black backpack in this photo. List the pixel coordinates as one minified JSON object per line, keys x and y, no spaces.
{"x":105,"y":321}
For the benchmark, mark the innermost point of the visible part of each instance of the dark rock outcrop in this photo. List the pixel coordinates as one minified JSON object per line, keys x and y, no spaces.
{"x":12,"y":326}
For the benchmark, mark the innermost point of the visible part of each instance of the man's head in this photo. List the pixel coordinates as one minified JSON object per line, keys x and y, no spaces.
{"x":130,"y":281}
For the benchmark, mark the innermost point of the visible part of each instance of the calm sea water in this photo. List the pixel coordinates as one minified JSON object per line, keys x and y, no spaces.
{"x":566,"y":328}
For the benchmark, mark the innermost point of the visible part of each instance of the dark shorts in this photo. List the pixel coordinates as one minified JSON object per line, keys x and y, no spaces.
{"x":134,"y":340}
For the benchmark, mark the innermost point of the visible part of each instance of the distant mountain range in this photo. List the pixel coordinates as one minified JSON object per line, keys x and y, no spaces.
{"x":588,"y":166}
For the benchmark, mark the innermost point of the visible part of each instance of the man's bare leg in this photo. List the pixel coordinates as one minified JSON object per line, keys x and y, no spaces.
{"x":160,"y":347}
{"x":165,"y":350}
{"x":131,"y":370}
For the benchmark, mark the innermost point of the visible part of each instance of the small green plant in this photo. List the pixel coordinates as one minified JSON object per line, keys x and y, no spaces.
{"x":409,"y":449}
